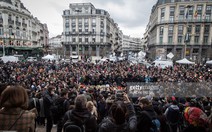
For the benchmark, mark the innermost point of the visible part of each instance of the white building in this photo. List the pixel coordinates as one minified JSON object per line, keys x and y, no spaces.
{"x":20,"y":32}
{"x":130,"y":44}
{"x":171,"y":21}
{"x":89,"y":31}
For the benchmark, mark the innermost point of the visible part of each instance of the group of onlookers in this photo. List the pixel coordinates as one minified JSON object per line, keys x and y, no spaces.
{"x":46,"y":93}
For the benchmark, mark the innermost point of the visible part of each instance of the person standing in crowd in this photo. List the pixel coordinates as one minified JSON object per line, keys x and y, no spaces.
{"x":173,"y":116}
{"x":80,"y":115}
{"x":91,"y":107}
{"x":14,"y":115}
{"x":121,"y":117}
{"x":63,"y":104}
{"x":197,"y":120}
{"x":145,"y":115}
{"x":48,"y":101}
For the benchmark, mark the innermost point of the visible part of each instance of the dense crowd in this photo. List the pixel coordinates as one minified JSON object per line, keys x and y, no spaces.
{"x":78,"y":89}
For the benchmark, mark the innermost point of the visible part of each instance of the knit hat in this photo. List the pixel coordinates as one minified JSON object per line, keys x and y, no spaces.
{"x":195,"y":116}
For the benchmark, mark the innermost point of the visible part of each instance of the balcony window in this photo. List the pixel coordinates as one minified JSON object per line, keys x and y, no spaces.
{"x":207,"y":29}
{"x":196,"y":39}
{"x":170,"y":39}
{"x":161,"y":40}
{"x":80,"y":40}
{"x":180,"y":39}
{"x":205,"y":40}
{"x":93,"y":39}
{"x":197,"y":29}
{"x":180,"y":29}
{"x":1,"y":31}
{"x":162,"y":12}
{"x":86,"y":39}
{"x":10,"y":31}
{"x":73,"y":39}
{"x":189,"y":29}
{"x":161,"y":30}
{"x":18,"y":32}
{"x":171,"y":29}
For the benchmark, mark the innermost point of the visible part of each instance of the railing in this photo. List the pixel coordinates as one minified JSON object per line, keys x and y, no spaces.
{"x":18,"y":23}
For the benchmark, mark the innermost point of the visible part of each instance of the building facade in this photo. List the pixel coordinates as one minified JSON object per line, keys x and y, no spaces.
{"x":55,"y":45}
{"x":183,"y":27}
{"x":20,"y":32}
{"x":131,"y":44}
{"x":89,"y":31}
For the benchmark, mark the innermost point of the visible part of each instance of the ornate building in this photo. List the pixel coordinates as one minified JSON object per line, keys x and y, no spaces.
{"x":183,"y":27}
{"x":89,"y":31}
{"x":20,"y":32}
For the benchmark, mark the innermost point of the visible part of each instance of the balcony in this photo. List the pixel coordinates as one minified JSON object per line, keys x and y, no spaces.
{"x":24,"y":24}
{"x":102,"y":33}
{"x":102,"y":25}
{"x":10,"y":21}
{"x":93,"y":24}
{"x":86,"y":24}
{"x":73,"y":24}
{"x":18,"y":23}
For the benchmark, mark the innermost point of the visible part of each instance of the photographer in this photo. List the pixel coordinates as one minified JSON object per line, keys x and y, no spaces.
{"x":121,"y":117}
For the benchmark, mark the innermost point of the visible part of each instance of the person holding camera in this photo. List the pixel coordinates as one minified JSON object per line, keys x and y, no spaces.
{"x":121,"y":117}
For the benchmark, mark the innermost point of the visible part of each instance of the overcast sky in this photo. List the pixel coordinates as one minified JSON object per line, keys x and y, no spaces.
{"x":131,"y":15}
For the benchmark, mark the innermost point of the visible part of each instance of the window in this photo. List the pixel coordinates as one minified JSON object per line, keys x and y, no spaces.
{"x":197,"y":29}
{"x":73,"y":39}
{"x":80,"y":29}
{"x":86,"y":20}
{"x":180,"y":29}
{"x":10,"y":17}
{"x":161,"y":30}
{"x":170,"y":39}
{"x":74,"y":29}
{"x":180,"y":39}
{"x":208,"y":8}
{"x":207,"y":28}
{"x":93,"y":39}
{"x":161,"y":40}
{"x":80,"y":39}
{"x":171,"y":18}
{"x":196,"y":39}
{"x":205,"y":40}
{"x":172,"y":9}
{"x":93,"y":29}
{"x":10,"y":31}
{"x":74,"y":20}
{"x":171,"y":29}
{"x":17,"y":19}
{"x":23,"y":20}
{"x":67,"y":20}
{"x":101,"y":39}
{"x":1,"y":31}
{"x":189,"y":29}
{"x":86,"y":39}
{"x":86,"y":29}
{"x":94,"y":48}
{"x":162,"y":14}
{"x":17,"y":32}
{"x":80,"y":20}
{"x":94,"y":20}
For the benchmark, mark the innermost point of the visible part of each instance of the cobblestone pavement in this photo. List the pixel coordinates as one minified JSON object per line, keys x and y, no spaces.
{"x":43,"y":129}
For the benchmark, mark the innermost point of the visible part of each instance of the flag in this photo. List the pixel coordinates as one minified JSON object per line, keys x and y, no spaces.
{"x":195,"y":14}
{"x":186,"y":14}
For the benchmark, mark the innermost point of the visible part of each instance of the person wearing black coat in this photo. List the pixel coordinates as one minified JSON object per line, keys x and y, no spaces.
{"x":80,"y":115}
{"x":48,"y":101}
{"x":145,"y":115}
{"x":121,"y":118}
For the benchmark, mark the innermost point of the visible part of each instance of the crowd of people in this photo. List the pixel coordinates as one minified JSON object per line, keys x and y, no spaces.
{"x":76,"y":87}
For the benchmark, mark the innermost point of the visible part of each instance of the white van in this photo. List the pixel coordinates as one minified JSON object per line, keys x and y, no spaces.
{"x":163,"y":63}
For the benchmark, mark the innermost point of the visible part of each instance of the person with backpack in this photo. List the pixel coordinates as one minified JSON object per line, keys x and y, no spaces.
{"x":173,"y":116}
{"x":147,"y":117}
{"x":121,"y":118}
{"x":80,"y":118}
{"x":48,"y":100}
{"x":61,"y":105}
